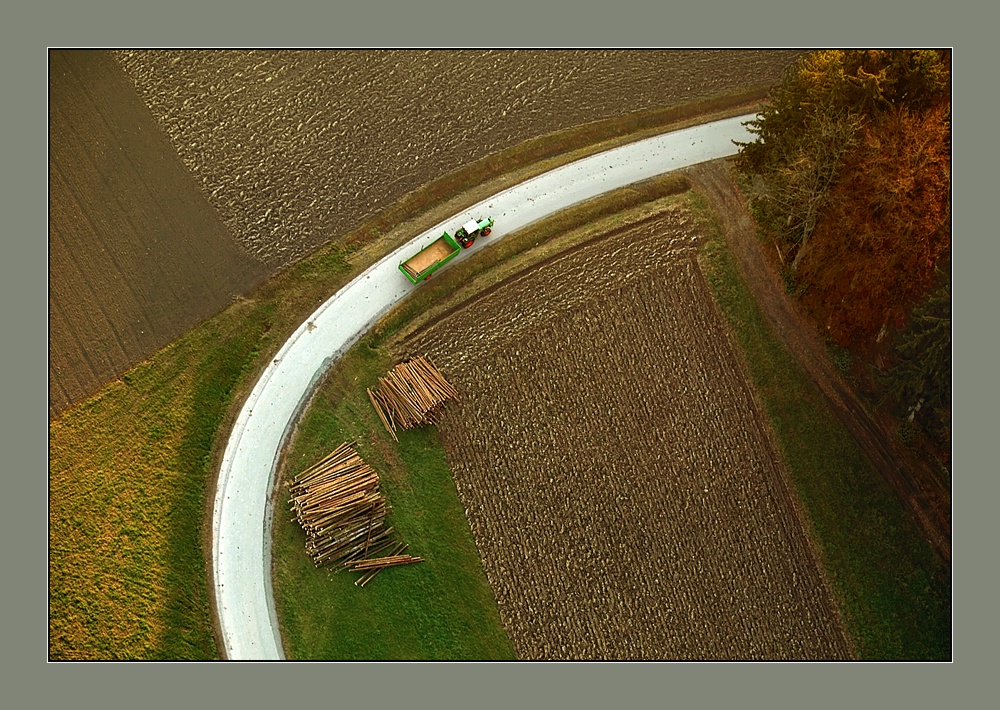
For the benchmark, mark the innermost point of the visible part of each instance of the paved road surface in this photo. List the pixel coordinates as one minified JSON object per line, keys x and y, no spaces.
{"x":241,"y":515}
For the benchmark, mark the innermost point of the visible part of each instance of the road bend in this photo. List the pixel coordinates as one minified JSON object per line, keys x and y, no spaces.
{"x":241,"y":535}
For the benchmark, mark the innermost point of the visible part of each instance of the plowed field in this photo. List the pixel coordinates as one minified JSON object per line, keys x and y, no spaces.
{"x":619,"y":476}
{"x":137,"y":255}
{"x":296,"y":147}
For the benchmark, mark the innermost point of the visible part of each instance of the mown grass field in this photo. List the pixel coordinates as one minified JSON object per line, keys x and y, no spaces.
{"x":892,"y":590}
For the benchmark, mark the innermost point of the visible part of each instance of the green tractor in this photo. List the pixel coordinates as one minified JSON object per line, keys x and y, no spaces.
{"x":467,"y":233}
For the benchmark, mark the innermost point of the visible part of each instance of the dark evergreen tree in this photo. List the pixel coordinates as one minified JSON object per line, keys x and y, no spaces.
{"x":921,"y":377}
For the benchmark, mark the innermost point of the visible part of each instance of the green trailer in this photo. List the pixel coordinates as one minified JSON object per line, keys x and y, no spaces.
{"x":425,"y":262}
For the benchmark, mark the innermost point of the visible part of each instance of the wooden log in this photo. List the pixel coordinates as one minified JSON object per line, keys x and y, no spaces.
{"x":331,"y":480}
{"x":337,"y":523}
{"x":342,"y":517}
{"x":337,"y":500}
{"x":371,"y":518}
{"x":343,"y":451}
{"x":414,"y":392}
{"x":376,"y":561}
{"x":342,"y":556}
{"x":382,"y":415}
{"x":354,"y":552}
{"x":382,"y":396}
{"x":380,"y":562}
{"x":340,"y":488}
{"x":369,"y":575}
{"x":336,"y":488}
{"x":343,"y":528}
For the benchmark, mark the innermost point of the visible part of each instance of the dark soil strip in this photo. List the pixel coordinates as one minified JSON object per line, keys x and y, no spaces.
{"x":160,"y":260}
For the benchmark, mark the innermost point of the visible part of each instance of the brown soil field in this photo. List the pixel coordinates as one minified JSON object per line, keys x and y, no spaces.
{"x":620,"y":478}
{"x":181,"y":179}
{"x":137,"y":255}
{"x":296,"y":147}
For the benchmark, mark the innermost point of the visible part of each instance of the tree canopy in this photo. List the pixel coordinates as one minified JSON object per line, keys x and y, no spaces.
{"x":852,"y":167}
{"x":921,"y":379}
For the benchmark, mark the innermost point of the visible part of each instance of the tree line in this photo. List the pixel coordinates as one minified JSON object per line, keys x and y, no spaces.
{"x":850,"y":177}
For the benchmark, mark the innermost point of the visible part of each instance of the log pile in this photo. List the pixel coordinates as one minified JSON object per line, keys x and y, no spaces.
{"x":412,"y":394}
{"x":339,"y":506}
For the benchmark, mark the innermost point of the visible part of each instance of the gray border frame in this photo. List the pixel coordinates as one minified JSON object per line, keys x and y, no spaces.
{"x":779,"y":24}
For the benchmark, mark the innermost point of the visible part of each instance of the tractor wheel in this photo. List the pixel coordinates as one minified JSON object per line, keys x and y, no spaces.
{"x":486,"y":232}
{"x":470,"y":242}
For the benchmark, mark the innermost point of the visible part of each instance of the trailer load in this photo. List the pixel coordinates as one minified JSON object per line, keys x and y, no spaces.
{"x":425,"y":262}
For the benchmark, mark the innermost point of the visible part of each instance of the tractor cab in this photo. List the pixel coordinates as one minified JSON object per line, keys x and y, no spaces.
{"x":467,"y":233}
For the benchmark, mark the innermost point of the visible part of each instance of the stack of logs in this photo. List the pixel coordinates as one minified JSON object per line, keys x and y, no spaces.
{"x":338,"y":504}
{"x":411,"y":395}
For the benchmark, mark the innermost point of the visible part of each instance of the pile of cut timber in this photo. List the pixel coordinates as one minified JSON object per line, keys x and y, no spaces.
{"x":412,"y":394}
{"x":339,"y":506}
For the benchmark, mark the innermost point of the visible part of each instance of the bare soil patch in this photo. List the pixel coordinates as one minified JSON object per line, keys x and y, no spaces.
{"x":620,"y":479}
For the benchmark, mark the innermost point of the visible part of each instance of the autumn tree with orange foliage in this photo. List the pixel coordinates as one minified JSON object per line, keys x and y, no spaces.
{"x":850,"y":175}
{"x":884,"y":229}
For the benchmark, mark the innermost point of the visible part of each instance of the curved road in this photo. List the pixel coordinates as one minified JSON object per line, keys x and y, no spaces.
{"x":241,"y":515}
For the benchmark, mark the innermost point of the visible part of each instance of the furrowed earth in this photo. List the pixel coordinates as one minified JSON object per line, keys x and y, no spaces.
{"x":619,"y":475}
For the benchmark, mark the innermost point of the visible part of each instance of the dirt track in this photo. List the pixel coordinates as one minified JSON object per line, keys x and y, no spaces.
{"x":928,"y":502}
{"x":618,"y":474}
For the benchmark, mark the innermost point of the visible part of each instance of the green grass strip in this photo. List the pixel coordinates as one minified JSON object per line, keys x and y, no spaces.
{"x":130,"y":472}
{"x":130,"y":476}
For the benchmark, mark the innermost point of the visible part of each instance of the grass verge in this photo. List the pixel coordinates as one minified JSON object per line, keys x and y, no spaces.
{"x":893,"y":593}
{"x":439,"y":609}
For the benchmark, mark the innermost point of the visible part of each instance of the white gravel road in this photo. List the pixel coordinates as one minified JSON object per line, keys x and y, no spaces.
{"x":241,"y":515}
